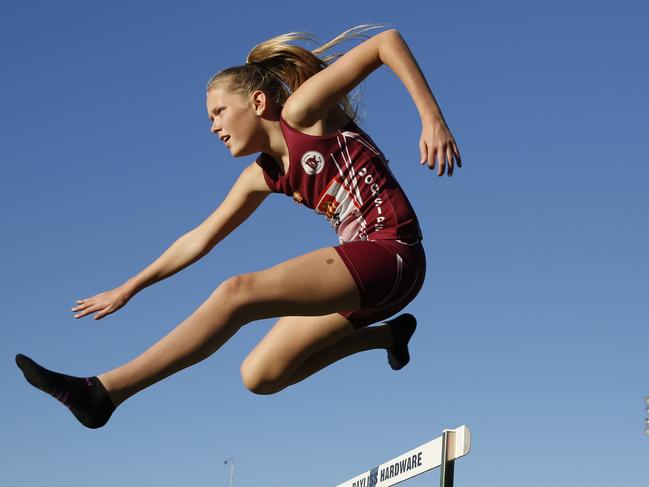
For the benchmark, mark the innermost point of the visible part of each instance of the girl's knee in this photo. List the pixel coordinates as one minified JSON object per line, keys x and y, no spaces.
{"x":235,"y":286}
{"x":257,"y":379}
{"x":237,"y":295}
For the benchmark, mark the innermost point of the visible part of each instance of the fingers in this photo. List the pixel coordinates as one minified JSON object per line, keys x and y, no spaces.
{"x":83,"y":308}
{"x":457,"y":154}
{"x":83,"y":304}
{"x":89,"y":306}
{"x":431,"y":157}
{"x":449,"y":158}
{"x":422,"y":152}
{"x":445,"y":157}
{"x":88,"y":310}
{"x":441,"y":157}
{"x":106,"y":311}
{"x":437,"y":154}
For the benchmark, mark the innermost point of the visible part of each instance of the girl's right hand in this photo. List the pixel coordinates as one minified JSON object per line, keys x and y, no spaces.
{"x":103,"y":304}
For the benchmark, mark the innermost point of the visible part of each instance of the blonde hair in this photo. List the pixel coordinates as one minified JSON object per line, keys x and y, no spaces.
{"x":278,"y":67}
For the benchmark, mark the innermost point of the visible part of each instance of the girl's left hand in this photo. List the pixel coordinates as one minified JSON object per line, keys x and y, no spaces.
{"x":436,"y":142}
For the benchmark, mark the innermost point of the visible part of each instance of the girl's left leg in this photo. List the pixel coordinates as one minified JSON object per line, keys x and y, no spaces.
{"x":288,"y":345}
{"x":299,"y":346}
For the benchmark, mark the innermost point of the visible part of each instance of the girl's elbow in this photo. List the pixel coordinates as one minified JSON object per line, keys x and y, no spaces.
{"x":392,"y":33}
{"x":391,"y":37}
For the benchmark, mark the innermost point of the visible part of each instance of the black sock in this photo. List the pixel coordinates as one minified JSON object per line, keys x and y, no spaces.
{"x":86,"y":397}
{"x":402,"y":328}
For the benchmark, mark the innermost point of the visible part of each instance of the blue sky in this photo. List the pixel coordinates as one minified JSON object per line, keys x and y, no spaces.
{"x":533,"y":325}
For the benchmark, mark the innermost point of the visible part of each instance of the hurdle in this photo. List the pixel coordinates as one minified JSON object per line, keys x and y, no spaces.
{"x":440,"y":452}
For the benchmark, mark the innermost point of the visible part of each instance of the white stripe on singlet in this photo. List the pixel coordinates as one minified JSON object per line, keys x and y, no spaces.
{"x":397,"y":282}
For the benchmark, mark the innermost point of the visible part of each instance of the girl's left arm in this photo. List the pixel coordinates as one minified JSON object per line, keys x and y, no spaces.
{"x":323,"y":91}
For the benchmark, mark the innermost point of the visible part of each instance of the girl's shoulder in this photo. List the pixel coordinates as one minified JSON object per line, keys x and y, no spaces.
{"x":336,"y":119}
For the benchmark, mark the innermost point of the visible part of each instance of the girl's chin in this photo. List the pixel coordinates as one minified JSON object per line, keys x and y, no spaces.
{"x":240,"y":152}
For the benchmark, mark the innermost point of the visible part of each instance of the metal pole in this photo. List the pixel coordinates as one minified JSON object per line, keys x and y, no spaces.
{"x":230,"y":461}
{"x":447,"y":468}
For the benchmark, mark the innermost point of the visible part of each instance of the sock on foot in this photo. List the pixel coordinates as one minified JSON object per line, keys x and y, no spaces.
{"x":402,"y":328}
{"x":86,"y":397}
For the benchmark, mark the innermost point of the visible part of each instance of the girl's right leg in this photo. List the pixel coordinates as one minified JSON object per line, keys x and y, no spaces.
{"x":316,"y":283}
{"x":312,"y":284}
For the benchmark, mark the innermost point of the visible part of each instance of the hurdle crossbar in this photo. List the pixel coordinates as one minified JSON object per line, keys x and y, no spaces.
{"x":440,"y":452}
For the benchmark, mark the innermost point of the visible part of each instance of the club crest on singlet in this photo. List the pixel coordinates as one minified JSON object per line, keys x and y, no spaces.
{"x":312,"y":162}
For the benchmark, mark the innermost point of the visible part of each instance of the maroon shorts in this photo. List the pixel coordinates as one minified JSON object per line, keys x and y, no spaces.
{"x":388,"y":274}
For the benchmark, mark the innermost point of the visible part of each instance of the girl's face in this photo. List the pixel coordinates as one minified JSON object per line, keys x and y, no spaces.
{"x":235,"y":120}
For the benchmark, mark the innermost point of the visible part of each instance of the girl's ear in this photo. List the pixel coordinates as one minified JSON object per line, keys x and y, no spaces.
{"x":259,"y":100}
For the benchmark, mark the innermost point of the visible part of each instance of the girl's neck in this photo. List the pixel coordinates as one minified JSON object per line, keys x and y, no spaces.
{"x":275,"y":144}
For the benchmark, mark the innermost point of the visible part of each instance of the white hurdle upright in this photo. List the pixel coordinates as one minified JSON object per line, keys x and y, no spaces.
{"x":440,"y":452}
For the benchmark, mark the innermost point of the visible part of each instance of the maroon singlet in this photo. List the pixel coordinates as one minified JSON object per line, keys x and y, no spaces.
{"x":345,"y":177}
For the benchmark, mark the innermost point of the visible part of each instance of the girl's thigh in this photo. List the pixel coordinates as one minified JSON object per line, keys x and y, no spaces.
{"x":388,"y":274}
{"x":314,"y":284}
{"x":291,"y":341}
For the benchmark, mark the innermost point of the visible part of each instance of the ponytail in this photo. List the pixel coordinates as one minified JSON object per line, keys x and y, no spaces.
{"x":278,"y":68}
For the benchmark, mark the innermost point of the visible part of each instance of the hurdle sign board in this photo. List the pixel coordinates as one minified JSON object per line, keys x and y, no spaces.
{"x":417,"y":461}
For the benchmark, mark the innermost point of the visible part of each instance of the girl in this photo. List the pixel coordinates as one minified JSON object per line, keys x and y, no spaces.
{"x":291,"y":107}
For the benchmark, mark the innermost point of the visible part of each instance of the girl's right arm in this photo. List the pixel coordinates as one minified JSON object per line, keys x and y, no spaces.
{"x":243,"y":199}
